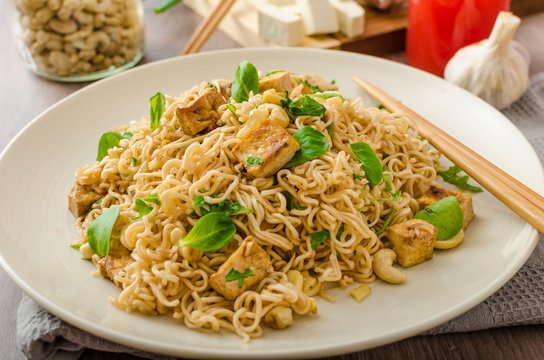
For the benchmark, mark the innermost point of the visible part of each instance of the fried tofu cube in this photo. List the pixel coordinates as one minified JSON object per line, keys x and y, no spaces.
{"x":201,"y":113}
{"x":80,"y":199}
{"x":436,"y":193}
{"x":413,"y":241}
{"x":112,"y":265}
{"x":271,"y":144}
{"x":280,"y":82}
{"x":248,"y":256}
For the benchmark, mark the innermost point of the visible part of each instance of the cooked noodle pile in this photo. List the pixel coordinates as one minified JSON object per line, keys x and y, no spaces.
{"x":164,"y":278}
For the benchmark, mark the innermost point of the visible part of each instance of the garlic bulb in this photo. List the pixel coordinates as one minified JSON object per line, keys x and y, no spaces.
{"x":495,"y":69}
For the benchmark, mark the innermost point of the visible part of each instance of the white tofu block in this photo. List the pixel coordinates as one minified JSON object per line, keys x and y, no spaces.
{"x":350,"y":15}
{"x":280,"y":26}
{"x":318,"y":17}
{"x":281,"y":2}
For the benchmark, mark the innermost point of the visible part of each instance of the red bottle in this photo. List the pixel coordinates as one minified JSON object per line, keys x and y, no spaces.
{"x":438,"y":28}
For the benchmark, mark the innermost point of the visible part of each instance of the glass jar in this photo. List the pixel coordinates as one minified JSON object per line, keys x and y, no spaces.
{"x":438,"y":28}
{"x":78,"y":40}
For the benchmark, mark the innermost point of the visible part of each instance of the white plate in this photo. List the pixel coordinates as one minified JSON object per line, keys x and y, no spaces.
{"x":37,"y":171}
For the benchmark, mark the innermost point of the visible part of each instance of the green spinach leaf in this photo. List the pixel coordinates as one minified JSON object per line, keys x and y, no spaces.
{"x":292,"y":203}
{"x":246,"y":80}
{"x":109,"y":140}
{"x":303,"y":106}
{"x":226,"y":207}
{"x":312,"y":145}
{"x":446,"y":215}
{"x":143,"y":208}
{"x":167,"y":4}
{"x":210,"y":233}
{"x":156,"y":110}
{"x":99,"y":231}
{"x":371,"y":164}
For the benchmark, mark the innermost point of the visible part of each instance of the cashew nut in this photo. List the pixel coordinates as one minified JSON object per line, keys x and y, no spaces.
{"x":79,"y":36}
{"x":63,"y":27}
{"x":382,"y":265}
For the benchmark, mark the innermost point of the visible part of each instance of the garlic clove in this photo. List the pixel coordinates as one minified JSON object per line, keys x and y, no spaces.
{"x":495,"y":69}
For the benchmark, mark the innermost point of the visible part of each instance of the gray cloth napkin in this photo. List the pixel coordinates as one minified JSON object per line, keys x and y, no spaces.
{"x":41,"y":335}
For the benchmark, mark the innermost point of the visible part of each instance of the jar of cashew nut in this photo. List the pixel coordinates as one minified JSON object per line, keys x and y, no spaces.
{"x":78,"y":40}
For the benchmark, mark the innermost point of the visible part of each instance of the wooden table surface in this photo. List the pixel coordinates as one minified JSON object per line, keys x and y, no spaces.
{"x":23,"y":96}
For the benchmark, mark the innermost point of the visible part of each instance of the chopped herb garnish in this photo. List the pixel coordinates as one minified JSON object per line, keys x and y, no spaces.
{"x":126,"y":134}
{"x":234,"y":275}
{"x":380,"y":106}
{"x":387,"y":221}
{"x":210,"y":85}
{"x":357,"y":177}
{"x":319,"y":237}
{"x":395,"y":198}
{"x":388,"y":187}
{"x":371,"y":164}
{"x":75,"y":246}
{"x":92,"y":205}
{"x":253,"y":160}
{"x":134,"y":161}
{"x":165,"y":6}
{"x":210,"y":233}
{"x":292,"y":203}
{"x":312,"y":145}
{"x":274,"y":72}
{"x":329,"y":94}
{"x":333,"y":82}
{"x":156,"y":109}
{"x":314,"y":88}
{"x":452,"y":176}
{"x":99,"y":231}
{"x":232,"y":109}
{"x":225,"y":207}
{"x":303,"y":106}
{"x":246,"y":80}
{"x":340,"y":232}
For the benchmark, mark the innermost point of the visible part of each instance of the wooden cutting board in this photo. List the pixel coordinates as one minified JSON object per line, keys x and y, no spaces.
{"x":384,"y":31}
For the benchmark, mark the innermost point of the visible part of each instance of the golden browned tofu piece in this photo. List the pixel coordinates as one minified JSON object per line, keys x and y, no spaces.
{"x":436,"y":193}
{"x":201,"y":113}
{"x":268,"y":142}
{"x":413,"y":241}
{"x":80,"y":199}
{"x":249,"y":257}
{"x":112,"y":265}
{"x":280,"y":81}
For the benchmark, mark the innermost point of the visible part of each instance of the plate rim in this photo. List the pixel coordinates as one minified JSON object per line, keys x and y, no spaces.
{"x":323,"y":350}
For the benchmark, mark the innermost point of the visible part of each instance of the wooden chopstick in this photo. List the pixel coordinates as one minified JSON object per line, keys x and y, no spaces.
{"x":523,"y":201}
{"x":207,"y":27}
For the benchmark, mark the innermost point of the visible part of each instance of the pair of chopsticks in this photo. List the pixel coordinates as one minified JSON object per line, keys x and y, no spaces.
{"x":523,"y":201}
{"x":207,"y":27}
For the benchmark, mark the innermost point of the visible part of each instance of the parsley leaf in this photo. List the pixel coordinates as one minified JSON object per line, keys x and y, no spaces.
{"x":303,"y":106}
{"x":452,"y":176}
{"x":318,"y":237}
{"x":156,"y":109}
{"x":253,"y":160}
{"x":312,"y":145}
{"x":246,"y":80}
{"x":99,"y":231}
{"x":357,"y":177}
{"x":134,"y":161}
{"x":234,"y":275}
{"x":380,"y":106}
